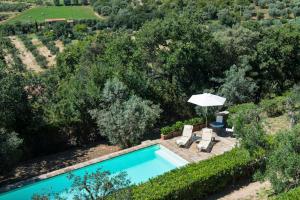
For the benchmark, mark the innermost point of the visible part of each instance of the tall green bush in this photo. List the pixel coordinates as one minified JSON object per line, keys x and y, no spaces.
{"x":274,"y":107}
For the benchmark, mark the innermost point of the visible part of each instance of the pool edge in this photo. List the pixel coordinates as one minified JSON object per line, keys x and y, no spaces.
{"x":64,"y":170}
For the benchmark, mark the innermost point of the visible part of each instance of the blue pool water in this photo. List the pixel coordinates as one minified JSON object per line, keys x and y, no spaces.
{"x":140,"y":166}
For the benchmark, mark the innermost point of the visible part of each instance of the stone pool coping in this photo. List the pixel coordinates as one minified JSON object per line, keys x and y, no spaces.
{"x":76,"y":166}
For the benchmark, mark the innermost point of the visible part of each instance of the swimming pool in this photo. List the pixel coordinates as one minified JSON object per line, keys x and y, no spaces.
{"x":140,"y":166}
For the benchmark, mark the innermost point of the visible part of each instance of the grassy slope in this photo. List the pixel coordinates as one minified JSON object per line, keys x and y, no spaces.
{"x":41,"y":13}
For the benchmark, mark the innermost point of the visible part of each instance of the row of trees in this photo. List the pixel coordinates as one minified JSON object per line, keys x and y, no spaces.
{"x":13,"y":7}
{"x":70,"y":2}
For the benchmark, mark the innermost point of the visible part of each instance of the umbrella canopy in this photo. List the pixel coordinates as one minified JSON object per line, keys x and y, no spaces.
{"x":207,"y":99}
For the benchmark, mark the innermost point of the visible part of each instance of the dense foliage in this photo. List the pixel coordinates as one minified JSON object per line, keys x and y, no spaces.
{"x":283,"y":163}
{"x":293,"y":194}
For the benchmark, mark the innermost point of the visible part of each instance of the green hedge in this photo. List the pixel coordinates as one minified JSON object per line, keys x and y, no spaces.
{"x":198,"y":180}
{"x":179,"y":125}
{"x":293,"y":194}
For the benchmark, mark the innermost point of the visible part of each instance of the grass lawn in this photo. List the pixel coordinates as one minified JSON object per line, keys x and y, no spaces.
{"x":45,"y":12}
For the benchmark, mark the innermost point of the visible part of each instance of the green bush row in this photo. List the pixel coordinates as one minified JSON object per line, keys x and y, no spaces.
{"x":198,"y":180}
{"x":179,"y":125}
{"x":293,"y":194}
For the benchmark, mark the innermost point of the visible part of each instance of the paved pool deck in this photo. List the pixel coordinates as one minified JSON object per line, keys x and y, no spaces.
{"x":191,"y":154}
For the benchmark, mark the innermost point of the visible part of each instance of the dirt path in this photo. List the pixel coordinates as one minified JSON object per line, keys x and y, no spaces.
{"x":53,"y":162}
{"x":99,"y":16}
{"x":44,"y":51}
{"x":26,"y":56}
{"x":248,"y":191}
{"x":59,"y":45}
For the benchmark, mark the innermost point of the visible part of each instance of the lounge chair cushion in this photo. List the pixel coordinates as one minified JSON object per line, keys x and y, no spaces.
{"x":186,"y":137}
{"x":204,"y":145}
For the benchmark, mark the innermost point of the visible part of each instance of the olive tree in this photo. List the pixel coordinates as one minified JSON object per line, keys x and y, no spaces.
{"x":237,"y":87}
{"x":56,"y":2}
{"x":291,"y":106}
{"x":9,"y":148}
{"x":124,"y":118}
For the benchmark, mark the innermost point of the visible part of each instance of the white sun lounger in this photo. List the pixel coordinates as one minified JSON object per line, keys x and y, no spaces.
{"x":187,"y":136}
{"x":206,"y":141}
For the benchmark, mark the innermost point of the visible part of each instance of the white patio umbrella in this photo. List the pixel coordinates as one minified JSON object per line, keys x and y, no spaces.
{"x":207,"y":99}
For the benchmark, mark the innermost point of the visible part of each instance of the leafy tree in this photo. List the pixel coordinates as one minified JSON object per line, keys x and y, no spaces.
{"x":84,"y":2}
{"x":99,"y":185}
{"x":237,"y":87}
{"x":277,"y":67}
{"x":9,"y":149}
{"x":75,"y":2}
{"x":14,"y":107}
{"x":283,"y":163}
{"x":226,"y":17}
{"x":238,"y":44}
{"x":274,"y":12}
{"x":291,"y":105}
{"x":247,"y":14}
{"x":124,"y":118}
{"x":210,"y":11}
{"x":249,"y":130}
{"x":67,"y":2}
{"x":296,"y":11}
{"x":56,"y":2}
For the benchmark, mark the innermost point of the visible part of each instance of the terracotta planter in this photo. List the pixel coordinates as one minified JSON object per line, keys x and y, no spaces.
{"x":196,"y":127}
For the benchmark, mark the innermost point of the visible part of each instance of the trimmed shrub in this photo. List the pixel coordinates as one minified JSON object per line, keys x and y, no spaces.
{"x":198,"y":180}
{"x":179,"y":125}
{"x":273,"y":107}
{"x":293,"y":194}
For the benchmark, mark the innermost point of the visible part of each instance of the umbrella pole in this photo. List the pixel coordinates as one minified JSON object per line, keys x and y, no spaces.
{"x":206,"y":116}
